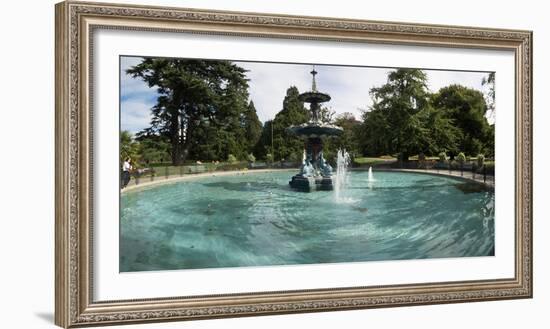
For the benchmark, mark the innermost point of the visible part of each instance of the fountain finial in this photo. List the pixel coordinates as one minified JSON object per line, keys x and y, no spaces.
{"x":313,"y":83}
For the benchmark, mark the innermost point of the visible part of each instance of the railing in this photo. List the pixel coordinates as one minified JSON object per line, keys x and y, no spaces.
{"x":157,"y":173}
{"x":466,"y":169}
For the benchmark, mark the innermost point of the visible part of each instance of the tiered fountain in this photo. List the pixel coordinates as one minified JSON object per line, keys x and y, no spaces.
{"x":315,"y":172}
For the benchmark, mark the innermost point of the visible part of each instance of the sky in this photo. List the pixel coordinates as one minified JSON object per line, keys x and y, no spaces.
{"x":348,"y":87}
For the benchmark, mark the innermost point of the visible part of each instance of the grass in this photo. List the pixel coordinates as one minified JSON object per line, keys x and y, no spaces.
{"x":415,"y":157}
{"x":371,"y":161}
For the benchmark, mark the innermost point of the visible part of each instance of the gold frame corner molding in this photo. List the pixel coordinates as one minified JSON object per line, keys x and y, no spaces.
{"x":75,"y":23}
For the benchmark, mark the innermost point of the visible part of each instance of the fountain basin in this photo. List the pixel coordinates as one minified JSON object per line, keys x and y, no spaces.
{"x":316,"y":130}
{"x":257,"y":220}
{"x":314,"y":97}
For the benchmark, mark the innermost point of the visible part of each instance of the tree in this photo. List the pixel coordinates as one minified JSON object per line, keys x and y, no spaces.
{"x":490,"y":99}
{"x":466,"y":108}
{"x":153,"y":148}
{"x":374,"y":136}
{"x":284,"y":142}
{"x":293,"y":113}
{"x":348,"y":140}
{"x":263,"y":146}
{"x":231,"y":134}
{"x":252,"y":127}
{"x":443,"y":135}
{"x":191,"y":93}
{"x":326,"y":115}
{"x":396,"y":120}
{"x":128,"y":147}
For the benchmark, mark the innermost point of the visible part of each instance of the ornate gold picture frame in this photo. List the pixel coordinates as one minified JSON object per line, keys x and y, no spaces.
{"x":76,"y":22}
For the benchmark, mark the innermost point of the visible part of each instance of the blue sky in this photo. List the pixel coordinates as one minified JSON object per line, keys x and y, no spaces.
{"x":348,"y":86}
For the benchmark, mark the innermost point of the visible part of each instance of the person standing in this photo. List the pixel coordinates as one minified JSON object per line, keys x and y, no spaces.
{"x":126,"y":169}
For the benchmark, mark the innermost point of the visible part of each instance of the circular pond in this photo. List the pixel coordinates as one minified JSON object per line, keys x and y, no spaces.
{"x":256,"y":220}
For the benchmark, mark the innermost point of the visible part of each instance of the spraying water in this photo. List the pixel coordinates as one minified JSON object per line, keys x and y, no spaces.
{"x":371,"y":177}
{"x":340,"y":181}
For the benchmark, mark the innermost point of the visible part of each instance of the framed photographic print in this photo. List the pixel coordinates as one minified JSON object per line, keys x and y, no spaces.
{"x":216,"y":164}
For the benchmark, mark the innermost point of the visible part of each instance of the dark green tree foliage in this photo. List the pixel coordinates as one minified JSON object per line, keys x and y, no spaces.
{"x":396,"y":120}
{"x":263,"y":145}
{"x":406,"y":119}
{"x":128,"y":147}
{"x":252,"y":127}
{"x":466,"y":108}
{"x":286,"y":145}
{"x":230,"y":138}
{"x":444,"y":135}
{"x":195,"y":95}
{"x":350,"y":136}
{"x":348,"y":140}
{"x":373,"y":133}
{"x":153,"y":148}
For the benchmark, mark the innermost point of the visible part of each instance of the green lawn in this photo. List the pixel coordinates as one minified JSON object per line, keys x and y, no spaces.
{"x":415,"y":157}
{"x":370,"y":161}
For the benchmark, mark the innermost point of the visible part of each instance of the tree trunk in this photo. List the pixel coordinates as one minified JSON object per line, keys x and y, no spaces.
{"x":176,"y":154}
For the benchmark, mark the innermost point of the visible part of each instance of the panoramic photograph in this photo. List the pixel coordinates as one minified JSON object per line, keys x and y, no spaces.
{"x":227,"y":163}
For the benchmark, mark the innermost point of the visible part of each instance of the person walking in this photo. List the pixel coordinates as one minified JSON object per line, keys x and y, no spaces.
{"x":126,"y":169}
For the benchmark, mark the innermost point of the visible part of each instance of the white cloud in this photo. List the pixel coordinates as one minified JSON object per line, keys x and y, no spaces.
{"x":136,"y":98}
{"x":440,"y":79}
{"x":349,"y":87}
{"x":135,"y":115}
{"x":130,"y":86}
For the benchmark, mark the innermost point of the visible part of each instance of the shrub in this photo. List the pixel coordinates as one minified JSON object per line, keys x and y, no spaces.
{"x":461,"y":157}
{"x":269,"y":157}
{"x":293,"y":157}
{"x":231,"y":158}
{"x":251,"y":158}
{"x":442,"y":156}
{"x":232,"y":166}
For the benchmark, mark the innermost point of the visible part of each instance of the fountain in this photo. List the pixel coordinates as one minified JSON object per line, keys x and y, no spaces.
{"x":370,"y":177}
{"x":315,"y":172}
{"x":340,"y":181}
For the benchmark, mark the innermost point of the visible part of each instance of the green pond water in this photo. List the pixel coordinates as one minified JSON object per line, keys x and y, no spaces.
{"x":257,"y":220}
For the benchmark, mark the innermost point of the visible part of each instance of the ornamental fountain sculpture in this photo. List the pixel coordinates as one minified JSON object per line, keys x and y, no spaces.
{"x":315,"y":172}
